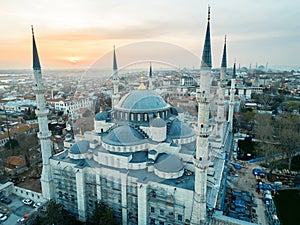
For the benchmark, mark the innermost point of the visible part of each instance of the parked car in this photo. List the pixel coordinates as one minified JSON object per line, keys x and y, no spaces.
{"x":27,"y":201}
{"x":6,"y":200}
{"x":23,"y":218}
{"x":3,"y":217}
{"x":37,"y":204}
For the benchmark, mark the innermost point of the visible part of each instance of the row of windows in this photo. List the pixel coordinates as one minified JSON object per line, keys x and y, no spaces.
{"x":162,"y":213}
{"x":140,"y":116}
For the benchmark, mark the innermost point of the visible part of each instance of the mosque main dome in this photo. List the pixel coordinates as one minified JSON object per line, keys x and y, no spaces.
{"x":142,"y":101}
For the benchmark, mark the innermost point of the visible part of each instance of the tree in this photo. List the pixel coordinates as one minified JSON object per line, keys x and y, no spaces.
{"x":54,"y":214}
{"x":103,"y":215}
{"x":288,"y":135}
{"x":264,"y":132}
{"x":11,"y":143}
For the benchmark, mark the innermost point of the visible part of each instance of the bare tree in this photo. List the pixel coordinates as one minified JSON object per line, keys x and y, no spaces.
{"x":288,"y":135}
{"x":264,"y":132}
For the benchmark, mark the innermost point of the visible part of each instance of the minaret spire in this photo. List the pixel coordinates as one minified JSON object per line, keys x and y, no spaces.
{"x":234,"y":70}
{"x":36,"y":61}
{"x":150,"y":77}
{"x":115,"y":80}
{"x":224,"y":62}
{"x":206,"y":55}
{"x":224,"y":58}
{"x":115,"y":65}
{"x":44,"y":133}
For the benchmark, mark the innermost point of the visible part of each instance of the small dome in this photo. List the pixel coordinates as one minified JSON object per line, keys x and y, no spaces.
{"x":101,"y":116}
{"x":178,"y":109}
{"x":142,"y":101}
{"x":68,"y":136}
{"x":124,"y":136}
{"x":158,"y":122}
{"x":179,"y":129}
{"x":80,"y":147}
{"x":168,"y":163}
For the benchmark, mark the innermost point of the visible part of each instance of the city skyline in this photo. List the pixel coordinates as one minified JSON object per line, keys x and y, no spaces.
{"x":75,"y":34}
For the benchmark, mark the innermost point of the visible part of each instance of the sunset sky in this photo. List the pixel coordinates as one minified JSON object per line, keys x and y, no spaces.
{"x":74,"y":34}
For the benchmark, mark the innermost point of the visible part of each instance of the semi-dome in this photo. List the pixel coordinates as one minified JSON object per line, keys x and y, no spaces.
{"x":168,"y":163}
{"x":158,"y":122}
{"x":100,"y":116}
{"x":80,"y":147}
{"x":142,"y":101}
{"x":124,"y":136}
{"x":179,"y":129}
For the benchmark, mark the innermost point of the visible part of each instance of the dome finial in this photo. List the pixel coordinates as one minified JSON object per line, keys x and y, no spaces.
{"x":208,"y":18}
{"x":100,"y":108}
{"x":80,"y":133}
{"x":142,"y":86}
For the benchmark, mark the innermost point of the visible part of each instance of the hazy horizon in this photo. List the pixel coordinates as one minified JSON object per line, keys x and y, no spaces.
{"x":74,"y":34}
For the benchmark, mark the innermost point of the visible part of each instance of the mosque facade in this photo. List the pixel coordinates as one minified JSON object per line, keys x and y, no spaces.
{"x":141,"y":159}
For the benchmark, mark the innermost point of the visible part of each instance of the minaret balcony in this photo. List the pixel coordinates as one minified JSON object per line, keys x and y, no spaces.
{"x":203,"y":130}
{"x":41,"y":112}
{"x":202,"y":97}
{"x":115,"y":81}
{"x":200,"y":163}
{"x":39,"y":89}
{"x":44,"y":135}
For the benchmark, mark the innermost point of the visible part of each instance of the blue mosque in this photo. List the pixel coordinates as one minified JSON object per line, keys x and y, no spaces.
{"x":141,"y":158}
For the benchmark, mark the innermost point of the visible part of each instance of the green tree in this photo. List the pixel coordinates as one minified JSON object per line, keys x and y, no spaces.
{"x":11,"y":143}
{"x":54,"y":214}
{"x":103,"y":215}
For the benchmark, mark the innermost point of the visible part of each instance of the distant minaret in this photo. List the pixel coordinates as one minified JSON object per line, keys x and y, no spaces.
{"x":116,"y":96}
{"x":231,"y":103}
{"x":203,"y":130}
{"x":150,"y":78}
{"x":44,"y":133}
{"x":221,"y":93}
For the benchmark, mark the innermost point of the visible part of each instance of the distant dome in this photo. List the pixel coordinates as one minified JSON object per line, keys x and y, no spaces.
{"x":101,"y":116}
{"x":158,"y":122}
{"x":179,"y":129}
{"x":80,"y":147}
{"x":168,"y":163}
{"x":124,"y":136}
{"x":142,"y":101}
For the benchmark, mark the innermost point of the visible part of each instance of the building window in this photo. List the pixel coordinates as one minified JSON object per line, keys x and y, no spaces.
{"x":152,"y":209}
{"x":152,"y":221}
{"x":179,"y":217}
{"x":161,"y":212}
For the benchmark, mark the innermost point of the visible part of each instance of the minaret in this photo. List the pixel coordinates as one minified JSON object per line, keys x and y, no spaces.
{"x":221,"y":93}
{"x":116,"y":96}
{"x":231,"y":103}
{"x":150,"y":78}
{"x":203,"y":130}
{"x":44,"y":133}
